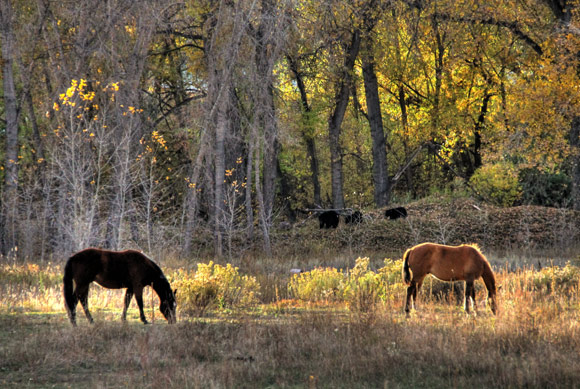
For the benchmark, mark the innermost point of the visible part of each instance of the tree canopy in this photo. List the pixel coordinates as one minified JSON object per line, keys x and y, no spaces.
{"x":145,"y":123}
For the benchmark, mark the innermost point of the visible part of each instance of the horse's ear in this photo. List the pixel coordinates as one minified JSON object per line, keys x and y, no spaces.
{"x":175,"y":292}
{"x":499,"y":287}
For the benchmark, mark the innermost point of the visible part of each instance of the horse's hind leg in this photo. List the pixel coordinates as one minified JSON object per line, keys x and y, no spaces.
{"x":72,"y":308}
{"x":410,"y":290}
{"x":83,"y":295}
{"x":128,"y":297}
{"x":411,"y":296}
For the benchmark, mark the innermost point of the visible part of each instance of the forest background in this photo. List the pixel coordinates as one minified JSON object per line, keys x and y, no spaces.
{"x":178,"y":125}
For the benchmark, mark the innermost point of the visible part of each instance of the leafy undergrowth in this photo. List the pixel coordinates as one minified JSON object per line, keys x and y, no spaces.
{"x":339,"y":329}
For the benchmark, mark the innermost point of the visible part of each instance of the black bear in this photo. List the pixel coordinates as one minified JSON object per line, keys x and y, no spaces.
{"x":395,"y":213}
{"x":355,"y":218}
{"x":328,"y":219}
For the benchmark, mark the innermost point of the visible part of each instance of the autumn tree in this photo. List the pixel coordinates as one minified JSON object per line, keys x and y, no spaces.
{"x":8,"y":215}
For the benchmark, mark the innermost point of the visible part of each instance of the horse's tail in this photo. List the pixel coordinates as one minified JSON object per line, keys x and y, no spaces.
{"x":406,"y":270}
{"x":69,"y":297}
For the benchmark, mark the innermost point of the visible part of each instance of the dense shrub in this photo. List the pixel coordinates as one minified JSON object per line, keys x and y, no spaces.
{"x":563,"y":280}
{"x":544,"y":188}
{"x":321,"y":284}
{"x":497,"y":183}
{"x":363,"y":287}
{"x":214,"y":286}
{"x":360,"y":287}
{"x":46,"y":275}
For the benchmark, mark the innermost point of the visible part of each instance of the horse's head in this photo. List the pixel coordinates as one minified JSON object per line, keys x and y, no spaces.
{"x":168,"y":307}
{"x":493,"y":305}
{"x":492,"y":298}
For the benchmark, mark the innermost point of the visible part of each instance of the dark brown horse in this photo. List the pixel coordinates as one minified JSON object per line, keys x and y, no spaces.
{"x":448,"y":263}
{"x":114,"y":270}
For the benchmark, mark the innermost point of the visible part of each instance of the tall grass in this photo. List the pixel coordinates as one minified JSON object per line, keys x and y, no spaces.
{"x":534,"y":341}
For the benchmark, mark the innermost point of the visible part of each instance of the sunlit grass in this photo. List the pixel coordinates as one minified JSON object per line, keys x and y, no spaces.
{"x":286,"y":341}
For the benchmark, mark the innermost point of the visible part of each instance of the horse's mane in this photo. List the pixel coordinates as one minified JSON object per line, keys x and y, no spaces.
{"x":472,"y":245}
{"x":157,"y":268}
{"x":153,"y":263}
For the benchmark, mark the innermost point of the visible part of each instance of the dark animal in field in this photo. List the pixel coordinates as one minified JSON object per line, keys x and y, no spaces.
{"x":355,"y":218}
{"x":447,"y":263}
{"x":328,"y":219}
{"x":395,"y":213}
{"x":115,"y":270}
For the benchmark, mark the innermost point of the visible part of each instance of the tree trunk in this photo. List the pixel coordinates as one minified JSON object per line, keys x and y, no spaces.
{"x":220,"y":168}
{"x":10,"y":192}
{"x":307,"y":132}
{"x":439,"y":53}
{"x":402,"y":101}
{"x":479,"y":127}
{"x":25,"y":77}
{"x":380,"y":167}
{"x":574,"y":139}
{"x":261,"y":207}
{"x":563,"y":11}
{"x":268,"y":46}
{"x":335,"y":121}
{"x":248,"y":200}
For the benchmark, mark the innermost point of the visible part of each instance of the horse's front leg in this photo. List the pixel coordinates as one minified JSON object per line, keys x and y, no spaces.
{"x":473,"y":298}
{"x":128,"y":297}
{"x":139,"y":298}
{"x":469,"y":294}
{"x":83,"y":295}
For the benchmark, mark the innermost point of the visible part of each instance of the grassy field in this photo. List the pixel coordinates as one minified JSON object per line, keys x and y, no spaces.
{"x":290,"y":342}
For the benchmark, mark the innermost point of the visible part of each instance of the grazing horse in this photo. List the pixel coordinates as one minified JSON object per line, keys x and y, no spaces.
{"x":448,"y":263}
{"x":114,"y":270}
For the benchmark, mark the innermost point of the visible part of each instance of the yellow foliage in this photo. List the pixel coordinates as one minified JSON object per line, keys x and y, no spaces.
{"x":497,"y":183}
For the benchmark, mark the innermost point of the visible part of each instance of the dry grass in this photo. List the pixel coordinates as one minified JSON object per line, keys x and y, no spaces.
{"x":534,"y":342}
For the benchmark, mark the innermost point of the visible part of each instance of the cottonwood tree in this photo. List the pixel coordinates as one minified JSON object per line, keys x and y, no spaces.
{"x":328,"y":96}
{"x":8,"y":216}
{"x":370,"y":13}
{"x":564,"y":62}
{"x":269,"y":35}
{"x":347,"y":46}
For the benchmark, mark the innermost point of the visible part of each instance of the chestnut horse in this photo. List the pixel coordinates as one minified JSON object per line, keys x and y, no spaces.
{"x":114,"y":270}
{"x":448,"y":263}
